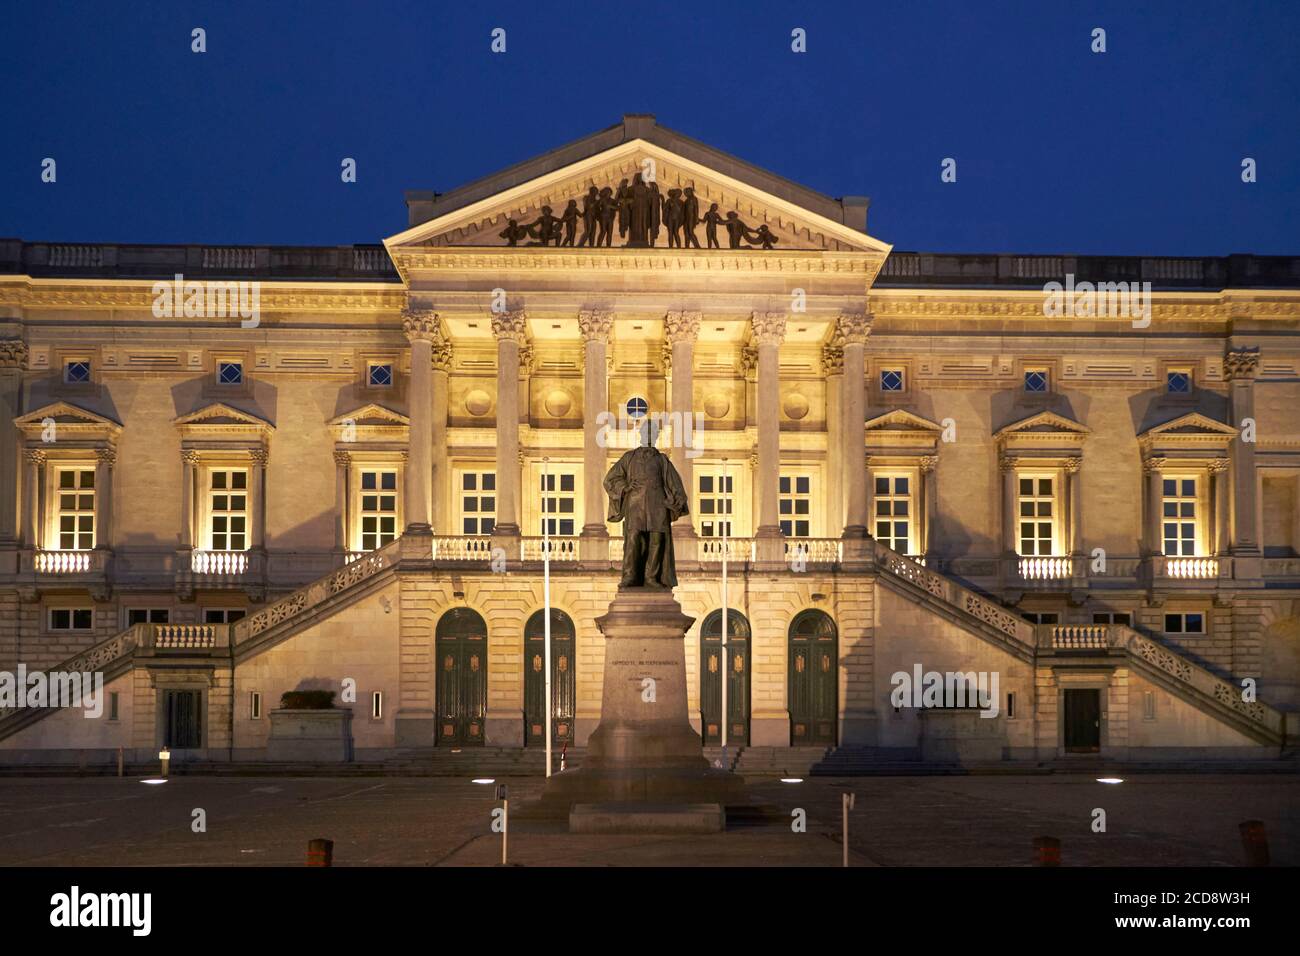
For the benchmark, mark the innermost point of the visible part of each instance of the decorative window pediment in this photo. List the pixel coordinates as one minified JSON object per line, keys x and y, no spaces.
{"x":221,"y":423}
{"x":1045,"y":431}
{"x":902,"y":433}
{"x":371,"y":423}
{"x":1191,"y":435}
{"x":71,"y":423}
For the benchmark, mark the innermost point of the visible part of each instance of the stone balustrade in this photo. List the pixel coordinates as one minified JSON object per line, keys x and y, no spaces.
{"x":226,"y":563}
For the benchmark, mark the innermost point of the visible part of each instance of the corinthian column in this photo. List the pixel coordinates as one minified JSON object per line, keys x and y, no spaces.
{"x":105,"y":459}
{"x":441,"y":477}
{"x":421,"y":328}
{"x":510,"y":329}
{"x":682,"y":329}
{"x":1241,"y":366}
{"x":13,"y":359}
{"x":833,"y":370}
{"x":32,"y":496}
{"x":853,"y":329}
{"x":769,"y":332}
{"x":595,"y":326}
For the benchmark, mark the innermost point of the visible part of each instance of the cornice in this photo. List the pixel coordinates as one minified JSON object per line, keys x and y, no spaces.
{"x":23,"y":292}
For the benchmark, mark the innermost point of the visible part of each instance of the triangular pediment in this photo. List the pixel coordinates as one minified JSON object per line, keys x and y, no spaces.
{"x":1192,"y":425}
{"x":370,"y":415}
{"x":1044,"y":423}
{"x":65,"y":413}
{"x":901,"y":420}
{"x":476,"y":215}
{"x":222,"y":415}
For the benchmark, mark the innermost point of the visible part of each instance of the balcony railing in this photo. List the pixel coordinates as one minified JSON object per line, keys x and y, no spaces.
{"x":68,"y":562}
{"x":711,"y":550}
{"x":1075,"y":637}
{"x":462,"y":548}
{"x":227,"y":563}
{"x":1045,"y":569}
{"x":185,"y":636}
{"x":1188,"y":568}
{"x":814,"y":550}
{"x":560,"y":549}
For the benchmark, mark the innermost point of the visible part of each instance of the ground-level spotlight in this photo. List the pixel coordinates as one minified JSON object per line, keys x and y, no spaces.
{"x":792,"y":779}
{"x":1110,"y":779}
{"x":484,"y":780}
{"x":154,"y":780}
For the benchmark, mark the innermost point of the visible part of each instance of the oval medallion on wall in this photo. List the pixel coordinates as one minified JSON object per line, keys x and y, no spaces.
{"x":478,"y":402}
{"x":796,"y":406}
{"x":558,"y":402}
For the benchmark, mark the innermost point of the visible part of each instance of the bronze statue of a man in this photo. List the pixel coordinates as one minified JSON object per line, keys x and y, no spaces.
{"x":646,"y":494}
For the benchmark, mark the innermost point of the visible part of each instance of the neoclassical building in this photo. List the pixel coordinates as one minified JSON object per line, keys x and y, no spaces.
{"x":908,"y":461}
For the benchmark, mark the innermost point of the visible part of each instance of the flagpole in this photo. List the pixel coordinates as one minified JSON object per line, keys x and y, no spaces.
{"x":726,"y":526}
{"x":546,"y":601}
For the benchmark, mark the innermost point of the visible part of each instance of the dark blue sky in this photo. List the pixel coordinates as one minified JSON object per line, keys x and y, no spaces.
{"x":1137,"y":150}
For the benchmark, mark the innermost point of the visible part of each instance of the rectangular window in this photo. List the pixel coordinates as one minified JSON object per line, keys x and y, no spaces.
{"x":113,"y":698}
{"x":76,"y":371}
{"x":223,"y":615}
{"x":147,"y":615}
{"x":1178,"y":502}
{"x":254,"y":705}
{"x":230,"y":373}
{"x":377,"y":705}
{"x":76,"y":509}
{"x":378,"y":508}
{"x":893,"y":497}
{"x":478,"y":502}
{"x":1110,"y":617}
{"x":1037,"y":509}
{"x":1011,"y":706}
{"x":1042,"y":617}
{"x":796,"y":505}
{"x":71,"y":619}
{"x":1184,"y":623}
{"x":379,"y":374}
{"x":1149,"y":705}
{"x":228,"y":510}
{"x":715,"y":504}
{"x":892,"y":379}
{"x":1036,"y":380}
{"x":1179,"y":381}
{"x":559,"y":504}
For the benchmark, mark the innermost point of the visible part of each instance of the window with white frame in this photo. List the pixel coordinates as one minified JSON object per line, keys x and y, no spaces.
{"x":1036,"y":507}
{"x":228,"y":509}
{"x":254,"y":705}
{"x":378,"y":507}
{"x":559,"y":503}
{"x":71,"y":619}
{"x":1184,"y":623}
{"x":893,"y":507}
{"x":147,"y":615}
{"x":1179,"y":516}
{"x":478,"y":502}
{"x":377,"y":705}
{"x":223,"y":615}
{"x":1113,"y":617}
{"x":795,"y":501}
{"x":714,"y":503}
{"x":76,"y":504}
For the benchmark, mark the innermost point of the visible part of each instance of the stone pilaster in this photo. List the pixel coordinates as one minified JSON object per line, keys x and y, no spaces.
{"x":421,"y":328}
{"x":1007,"y":466}
{"x":1240,"y":366}
{"x":342,"y":466}
{"x":32,"y":523}
{"x":596,"y":327}
{"x":1221,"y":506}
{"x":13,"y":359}
{"x":929,"y":506}
{"x":852,"y":329}
{"x":105,"y":460}
{"x":511,"y":330}
{"x":769,"y":333}
{"x":1154,"y":468}
{"x":442,"y":491}
{"x":257,"y":499}
{"x":833,"y":370}
{"x":189,"y":475}
{"x":682,"y":330}
{"x":1074,"y":497}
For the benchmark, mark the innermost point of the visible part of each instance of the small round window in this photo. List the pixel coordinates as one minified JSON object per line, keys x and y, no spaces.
{"x":637,"y":408}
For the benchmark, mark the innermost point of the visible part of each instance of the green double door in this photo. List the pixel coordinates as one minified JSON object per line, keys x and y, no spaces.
{"x":737,"y":670}
{"x":461,"y":660}
{"x":813,"y":679}
{"x":563,"y":682}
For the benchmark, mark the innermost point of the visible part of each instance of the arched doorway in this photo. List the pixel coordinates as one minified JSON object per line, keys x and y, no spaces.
{"x":737,"y":671}
{"x":461,"y":661}
{"x":563,"y":684}
{"x":813,"y":686}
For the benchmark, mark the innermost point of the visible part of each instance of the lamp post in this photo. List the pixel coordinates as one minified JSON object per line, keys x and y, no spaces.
{"x":726,"y":527}
{"x":546,"y":601}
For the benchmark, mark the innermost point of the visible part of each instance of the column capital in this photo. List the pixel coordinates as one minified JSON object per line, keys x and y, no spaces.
{"x":853,"y":327}
{"x":1241,"y":364}
{"x":596,"y":325}
{"x":107,"y":454}
{"x":342,"y":458}
{"x":190,"y":457}
{"x":832,"y":360}
{"x":442,"y":353}
{"x":1219,"y":466}
{"x":259,"y":456}
{"x":1072,"y":465}
{"x":748,"y":359}
{"x":1153,"y":465}
{"x":666,"y":354}
{"x":35,"y":456}
{"x":526,"y":356}
{"x":13,"y":353}
{"x":768,"y":327}
{"x":1007,"y":463}
{"x":929,"y":463}
{"x":512,"y":325}
{"x":682,"y":326}
{"x":420,"y":325}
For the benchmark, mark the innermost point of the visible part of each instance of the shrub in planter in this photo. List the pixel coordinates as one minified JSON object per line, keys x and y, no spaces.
{"x":307,"y":700}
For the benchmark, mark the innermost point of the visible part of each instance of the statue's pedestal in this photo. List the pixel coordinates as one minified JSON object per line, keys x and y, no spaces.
{"x":644,"y":751}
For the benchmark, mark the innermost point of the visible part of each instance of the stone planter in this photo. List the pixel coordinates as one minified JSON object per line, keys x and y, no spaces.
{"x":961,"y":736}
{"x":323,"y":736}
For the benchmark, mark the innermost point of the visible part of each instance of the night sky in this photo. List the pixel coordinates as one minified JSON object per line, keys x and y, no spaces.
{"x":1134,"y":151}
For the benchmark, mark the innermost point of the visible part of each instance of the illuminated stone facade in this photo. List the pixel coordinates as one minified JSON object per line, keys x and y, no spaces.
{"x":215,"y":509}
